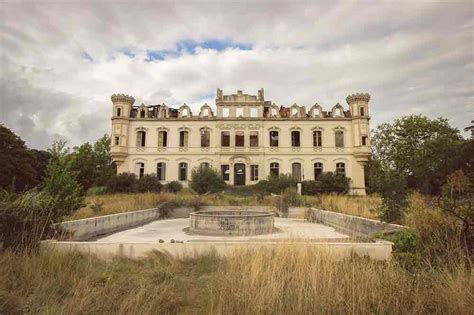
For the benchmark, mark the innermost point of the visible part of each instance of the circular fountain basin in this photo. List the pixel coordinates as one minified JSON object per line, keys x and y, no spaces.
{"x":231,"y":222}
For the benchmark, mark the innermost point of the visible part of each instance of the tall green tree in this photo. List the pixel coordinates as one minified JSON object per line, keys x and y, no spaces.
{"x":422,"y":150}
{"x":20,"y":167}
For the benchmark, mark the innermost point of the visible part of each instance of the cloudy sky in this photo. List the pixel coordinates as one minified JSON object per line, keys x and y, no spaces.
{"x":61,"y":61}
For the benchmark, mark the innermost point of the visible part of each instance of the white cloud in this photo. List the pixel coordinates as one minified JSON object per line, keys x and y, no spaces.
{"x":411,"y":58}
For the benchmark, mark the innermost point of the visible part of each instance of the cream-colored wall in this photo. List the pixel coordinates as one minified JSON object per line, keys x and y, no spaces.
{"x":263,"y":155}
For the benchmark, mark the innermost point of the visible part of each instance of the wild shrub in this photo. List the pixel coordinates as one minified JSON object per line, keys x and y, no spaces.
{"x":206,"y":180}
{"x":334,"y":183}
{"x":122,"y":183}
{"x":148,"y":183}
{"x":173,"y":187}
{"x":393,"y":189}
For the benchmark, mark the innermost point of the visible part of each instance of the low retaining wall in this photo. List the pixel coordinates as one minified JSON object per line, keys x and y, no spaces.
{"x":349,"y":224}
{"x":380,"y":250}
{"x":91,"y":227}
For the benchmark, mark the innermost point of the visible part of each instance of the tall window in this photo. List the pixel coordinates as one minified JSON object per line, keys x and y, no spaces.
{"x":183,"y":171}
{"x":225,"y":172}
{"x":119,"y":112}
{"x":362,"y":112}
{"x":254,"y":138}
{"x":318,"y":170}
{"x":141,"y":138}
{"x":162,"y":138}
{"x":316,"y":112}
{"x":337,"y":112}
{"x":225,"y":112}
{"x":163,"y":113}
{"x":274,"y":138}
{"x":140,"y":169}
{"x":295,"y":138}
{"x":317,"y":138}
{"x":142,"y":113}
{"x":225,"y":139}
{"x":296,"y":171}
{"x":239,"y":139}
{"x":239,"y":112}
{"x":183,"y":138}
{"x":364,"y":140}
{"x":117,"y":140}
{"x":253,"y":112}
{"x":161,"y":171}
{"x":339,"y":139}
{"x":205,"y":138}
{"x":205,"y":112}
{"x":341,"y":169}
{"x":274,"y":169}
{"x":254,"y":172}
{"x":184,"y":112}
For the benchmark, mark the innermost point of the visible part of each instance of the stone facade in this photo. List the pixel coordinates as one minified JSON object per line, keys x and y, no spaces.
{"x":246,"y":138}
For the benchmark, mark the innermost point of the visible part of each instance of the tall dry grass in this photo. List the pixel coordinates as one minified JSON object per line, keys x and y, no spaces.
{"x":116,"y":203}
{"x":361,"y":206}
{"x":295,"y":280}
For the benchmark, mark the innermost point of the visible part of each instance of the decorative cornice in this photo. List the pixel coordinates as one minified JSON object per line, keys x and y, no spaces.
{"x":122,"y":98}
{"x":364,"y":97}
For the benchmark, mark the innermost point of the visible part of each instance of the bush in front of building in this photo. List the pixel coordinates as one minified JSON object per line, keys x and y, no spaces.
{"x":148,"y":183}
{"x":122,"y":183}
{"x":206,"y":180}
{"x":173,"y":187}
{"x":275,"y":184}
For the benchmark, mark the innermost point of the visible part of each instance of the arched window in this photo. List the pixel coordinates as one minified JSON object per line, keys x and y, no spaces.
{"x":119,"y":111}
{"x":205,"y":165}
{"x":205,"y":112}
{"x":337,"y":112}
{"x":274,"y":138}
{"x":142,"y":113}
{"x":274,"y":169}
{"x":205,"y":138}
{"x":296,"y":171}
{"x":316,"y":112}
{"x":361,"y":111}
{"x":317,"y":138}
{"x":318,"y":169}
{"x":225,"y":139}
{"x":141,"y":138}
{"x":341,"y":169}
{"x":162,"y":138}
{"x":339,"y":134}
{"x":184,"y":112}
{"x":295,"y":138}
{"x":254,"y":138}
{"x":239,"y":139}
{"x":140,"y":169}
{"x":183,"y":171}
{"x":163,"y":113}
{"x":294,"y":112}
{"x":161,"y":170}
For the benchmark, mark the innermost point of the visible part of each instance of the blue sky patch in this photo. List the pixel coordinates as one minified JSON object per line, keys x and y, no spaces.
{"x":190,"y":46}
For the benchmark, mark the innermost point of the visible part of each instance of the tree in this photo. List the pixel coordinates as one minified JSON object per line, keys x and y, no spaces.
{"x":424,"y":151}
{"x":93,"y":163}
{"x":206,"y":179}
{"x":16,"y":169}
{"x":61,"y":184}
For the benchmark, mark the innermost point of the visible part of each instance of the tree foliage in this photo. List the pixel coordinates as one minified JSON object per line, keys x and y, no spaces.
{"x":206,"y":179}
{"x":422,"y":150}
{"x":21,"y":168}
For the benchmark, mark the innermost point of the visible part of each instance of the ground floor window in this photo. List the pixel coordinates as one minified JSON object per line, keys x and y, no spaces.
{"x":296,"y":171}
{"x":274,"y":169}
{"x":254,"y":172}
{"x":318,"y":170}
{"x":161,"y":171}
{"x":183,"y":171}
{"x":140,"y":166}
{"x":205,"y":165}
{"x":341,"y":169}
{"x":225,"y":171}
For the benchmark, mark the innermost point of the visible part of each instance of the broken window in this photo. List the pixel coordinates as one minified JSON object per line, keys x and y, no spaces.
{"x":254,"y":138}
{"x":274,"y":138}
{"x":295,"y":138}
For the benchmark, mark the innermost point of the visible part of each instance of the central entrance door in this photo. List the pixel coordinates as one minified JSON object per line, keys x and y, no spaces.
{"x":239,"y":174}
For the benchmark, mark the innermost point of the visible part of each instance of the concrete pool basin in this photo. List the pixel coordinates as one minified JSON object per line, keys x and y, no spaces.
{"x":231,"y":222}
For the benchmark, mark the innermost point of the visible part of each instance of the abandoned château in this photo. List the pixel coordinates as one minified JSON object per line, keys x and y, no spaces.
{"x":246,"y":138}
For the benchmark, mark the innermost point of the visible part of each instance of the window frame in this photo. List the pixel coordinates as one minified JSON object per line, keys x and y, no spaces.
{"x":274,"y":166}
{"x":161,"y":171}
{"x":295,"y":142}
{"x":254,"y":172}
{"x":225,"y":172}
{"x":317,"y":166}
{"x":183,"y":166}
{"x":317,"y":138}
{"x":340,"y":166}
{"x":274,"y":143}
